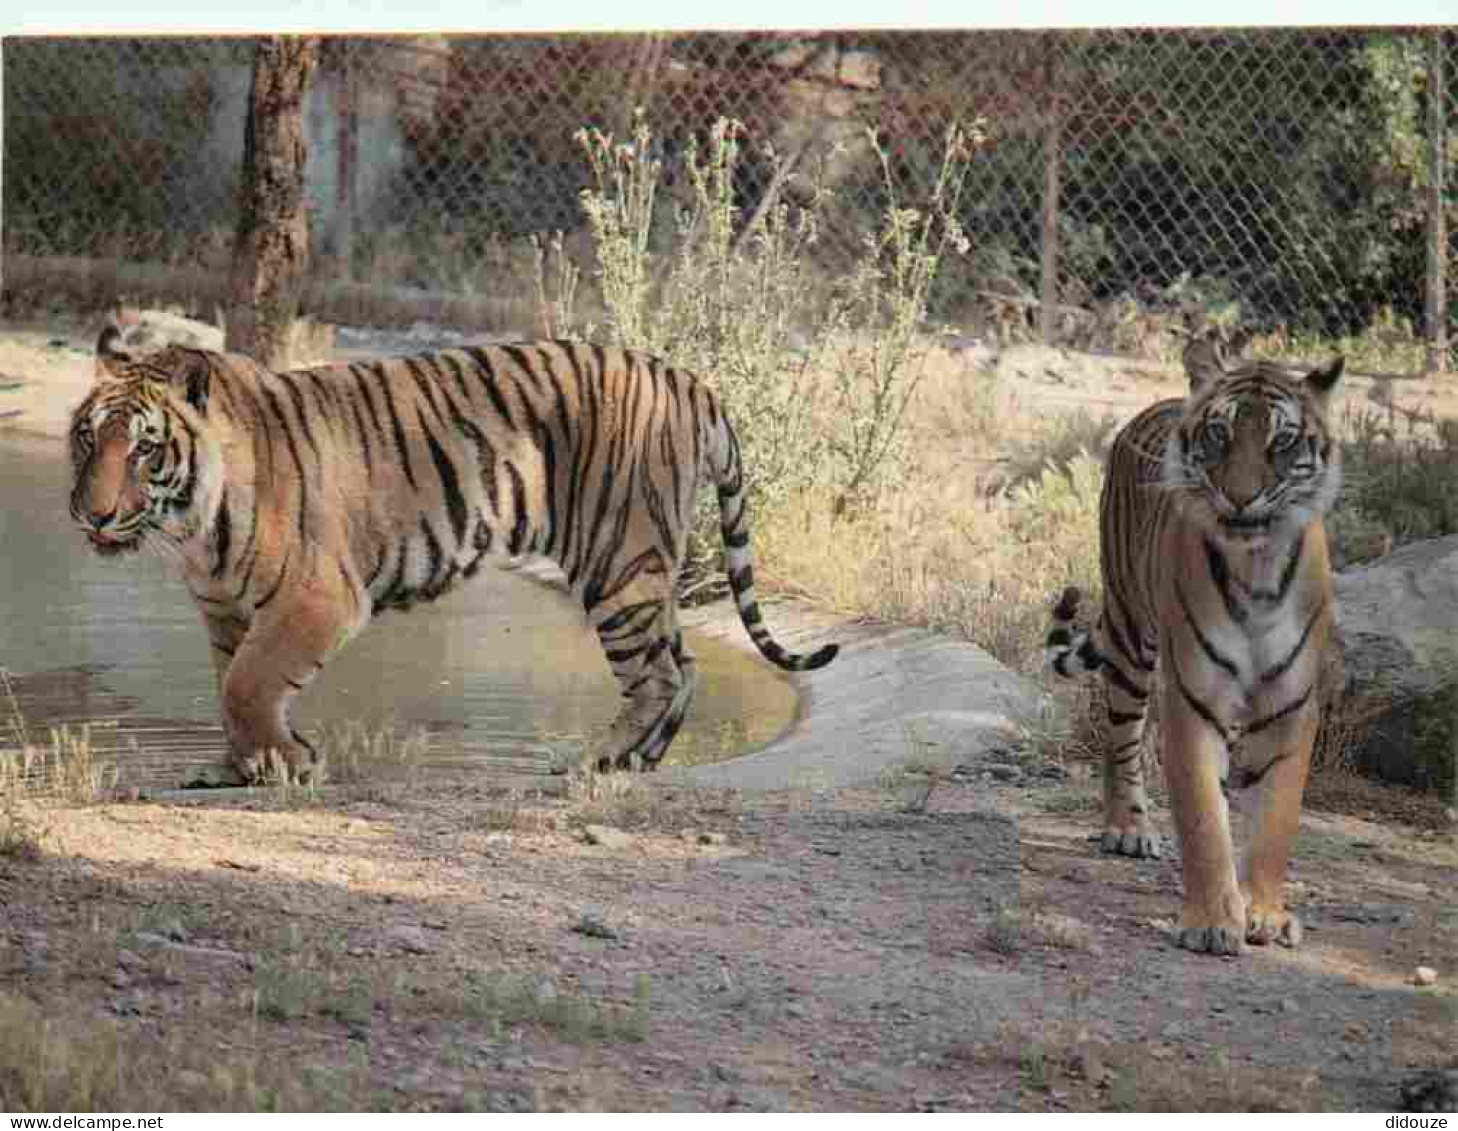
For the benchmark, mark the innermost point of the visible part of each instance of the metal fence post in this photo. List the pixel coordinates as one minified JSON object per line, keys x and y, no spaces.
{"x":1052,"y":170}
{"x":348,"y":160}
{"x":1437,"y":297}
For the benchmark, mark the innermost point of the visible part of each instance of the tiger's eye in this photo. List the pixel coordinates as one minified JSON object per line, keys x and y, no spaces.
{"x":1285,"y":439}
{"x":1215,"y":438}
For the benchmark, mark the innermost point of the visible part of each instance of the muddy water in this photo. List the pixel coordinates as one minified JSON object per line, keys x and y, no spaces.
{"x":497,"y":672}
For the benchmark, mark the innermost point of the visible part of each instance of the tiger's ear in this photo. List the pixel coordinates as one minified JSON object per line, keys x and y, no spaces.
{"x":192,"y":374}
{"x":1322,"y":379}
{"x":1204,"y":362}
{"x":109,"y":354}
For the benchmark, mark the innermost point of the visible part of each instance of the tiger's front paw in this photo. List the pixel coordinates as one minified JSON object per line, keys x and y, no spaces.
{"x":1211,"y":940}
{"x":1272,"y":924}
{"x":1140,"y":841}
{"x":1213,"y":926}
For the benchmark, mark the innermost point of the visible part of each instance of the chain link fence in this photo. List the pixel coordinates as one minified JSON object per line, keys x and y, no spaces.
{"x":1130,"y":182}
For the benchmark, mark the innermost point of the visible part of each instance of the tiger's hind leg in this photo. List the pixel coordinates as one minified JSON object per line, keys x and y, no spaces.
{"x":1128,"y":830}
{"x":638,"y":628}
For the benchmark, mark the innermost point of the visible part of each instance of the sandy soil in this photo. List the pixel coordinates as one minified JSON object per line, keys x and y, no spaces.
{"x":958,"y":943}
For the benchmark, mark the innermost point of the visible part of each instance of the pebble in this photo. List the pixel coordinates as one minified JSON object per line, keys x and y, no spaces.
{"x":412,"y":940}
{"x":606,"y":837}
{"x":1425,"y":976}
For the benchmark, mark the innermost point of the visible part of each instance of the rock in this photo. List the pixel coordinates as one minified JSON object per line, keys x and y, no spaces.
{"x":1424,"y":976}
{"x":157,"y":329}
{"x":1397,"y":621}
{"x":712,"y":838}
{"x":1002,"y":771}
{"x":1431,"y":1090}
{"x":210,"y":777}
{"x":410,"y":939}
{"x":607,"y":837}
{"x":1395,"y":914}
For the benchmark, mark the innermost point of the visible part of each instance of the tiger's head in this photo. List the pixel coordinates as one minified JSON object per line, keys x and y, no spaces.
{"x":1252,"y":458}
{"x":144,"y":463}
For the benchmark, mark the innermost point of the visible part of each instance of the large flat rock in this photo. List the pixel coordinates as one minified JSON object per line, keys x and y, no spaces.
{"x":893,"y":695}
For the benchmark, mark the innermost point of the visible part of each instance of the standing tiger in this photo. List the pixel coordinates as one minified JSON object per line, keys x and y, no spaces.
{"x":303,"y":503}
{"x":1214,"y":563}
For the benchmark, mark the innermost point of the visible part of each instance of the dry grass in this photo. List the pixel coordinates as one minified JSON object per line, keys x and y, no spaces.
{"x":39,"y":773}
{"x":956,"y":545}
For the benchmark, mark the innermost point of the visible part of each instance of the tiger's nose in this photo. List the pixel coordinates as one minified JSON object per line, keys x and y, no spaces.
{"x":98,"y":520}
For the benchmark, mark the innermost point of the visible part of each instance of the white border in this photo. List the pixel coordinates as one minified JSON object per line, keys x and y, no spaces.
{"x":83,"y":17}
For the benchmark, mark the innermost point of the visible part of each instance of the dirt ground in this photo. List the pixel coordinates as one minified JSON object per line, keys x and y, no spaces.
{"x":449,"y":943}
{"x":443,"y":945}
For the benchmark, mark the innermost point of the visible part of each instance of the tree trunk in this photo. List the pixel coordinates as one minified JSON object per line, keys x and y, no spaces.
{"x":271,"y":249}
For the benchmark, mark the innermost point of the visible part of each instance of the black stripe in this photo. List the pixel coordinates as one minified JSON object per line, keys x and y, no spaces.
{"x":364,"y":434}
{"x":1124,"y":718}
{"x":488,"y":382}
{"x":1220,"y":574}
{"x":524,"y":362}
{"x":302,"y":481}
{"x":1288,"y":575}
{"x":1255,"y":777}
{"x":1289,"y":709}
{"x":1216,"y":656}
{"x":277,"y":585}
{"x":418,"y":368}
{"x":401,"y":448}
{"x":1118,"y":677}
{"x":364,"y":388}
{"x":450,"y":485}
{"x":301,"y":408}
{"x":450,"y":362}
{"x":518,"y":538}
{"x":642,"y":611}
{"x":434,"y":557}
{"x":1195,"y":704}
{"x":222,"y":536}
{"x":1275,"y":671}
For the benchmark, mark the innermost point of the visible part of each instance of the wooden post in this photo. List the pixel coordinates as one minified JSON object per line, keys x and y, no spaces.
{"x":271,"y":248}
{"x":1052,"y":173}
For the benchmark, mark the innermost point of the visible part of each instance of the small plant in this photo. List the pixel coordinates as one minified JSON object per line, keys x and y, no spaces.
{"x":919,"y":774}
{"x":557,"y":295}
{"x":1007,"y":933}
{"x":818,"y":374}
{"x":510,"y":1000}
{"x":352,"y":751}
{"x":614,"y":798}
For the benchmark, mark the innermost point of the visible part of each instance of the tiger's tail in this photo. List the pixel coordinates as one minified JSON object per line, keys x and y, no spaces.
{"x":739,"y":562}
{"x":1069,"y":648}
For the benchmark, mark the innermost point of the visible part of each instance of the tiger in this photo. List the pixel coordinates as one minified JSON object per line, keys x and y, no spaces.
{"x":1216,"y":572}
{"x":303,"y":503}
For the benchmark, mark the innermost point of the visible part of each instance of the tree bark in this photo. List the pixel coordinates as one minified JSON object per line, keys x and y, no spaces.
{"x":271,"y":248}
